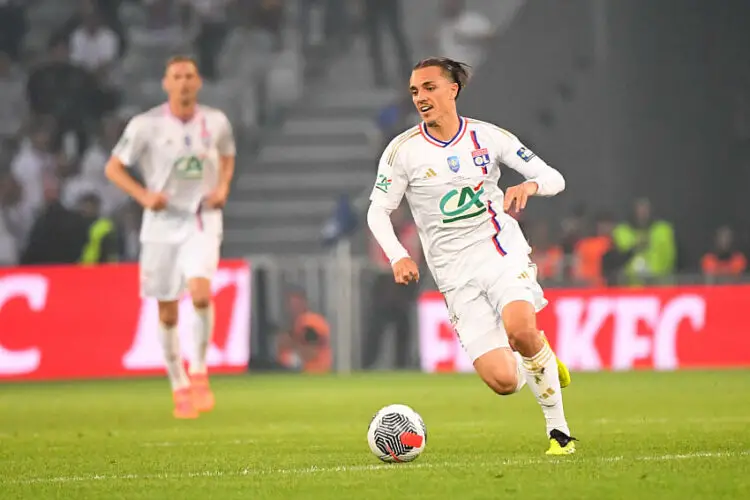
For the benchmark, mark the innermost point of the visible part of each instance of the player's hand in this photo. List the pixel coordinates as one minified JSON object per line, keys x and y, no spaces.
{"x":217,"y":198}
{"x":405,"y":270}
{"x":520,"y":195}
{"x":154,"y":201}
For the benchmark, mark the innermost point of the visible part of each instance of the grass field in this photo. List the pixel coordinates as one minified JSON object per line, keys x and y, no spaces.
{"x":649,"y":435}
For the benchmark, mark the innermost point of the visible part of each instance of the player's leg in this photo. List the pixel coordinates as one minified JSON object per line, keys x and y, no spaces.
{"x":200,"y":293}
{"x":476,"y":325}
{"x":520,"y":297}
{"x":200,"y":260}
{"x":160,"y":279}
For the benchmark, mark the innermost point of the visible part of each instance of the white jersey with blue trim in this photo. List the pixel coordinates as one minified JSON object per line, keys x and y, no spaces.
{"x":182,"y":160}
{"x":452,"y":189}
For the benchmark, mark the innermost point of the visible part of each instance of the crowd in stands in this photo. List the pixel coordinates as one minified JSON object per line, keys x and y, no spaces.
{"x":62,"y":110}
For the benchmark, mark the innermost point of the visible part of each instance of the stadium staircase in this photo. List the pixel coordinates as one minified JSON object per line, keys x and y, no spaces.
{"x":325,"y":148}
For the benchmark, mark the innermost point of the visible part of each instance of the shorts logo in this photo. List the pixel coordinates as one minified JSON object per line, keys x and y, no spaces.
{"x":454,"y":163}
{"x":464,"y":204}
{"x":383,"y":183}
{"x":525,"y":154}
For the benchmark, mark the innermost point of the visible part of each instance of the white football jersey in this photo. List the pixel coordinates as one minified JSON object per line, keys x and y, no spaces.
{"x":181,"y":159}
{"x":452,"y":189}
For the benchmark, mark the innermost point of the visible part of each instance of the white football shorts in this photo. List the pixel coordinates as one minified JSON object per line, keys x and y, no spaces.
{"x":165,"y":268}
{"x":491,"y":281}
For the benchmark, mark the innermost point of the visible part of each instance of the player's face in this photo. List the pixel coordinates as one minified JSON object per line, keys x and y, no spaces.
{"x":433,"y":94}
{"x":182,"y":82}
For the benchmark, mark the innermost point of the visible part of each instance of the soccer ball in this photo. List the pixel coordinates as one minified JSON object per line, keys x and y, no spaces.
{"x":397,"y":434}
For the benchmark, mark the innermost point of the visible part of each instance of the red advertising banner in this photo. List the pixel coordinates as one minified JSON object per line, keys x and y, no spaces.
{"x":618,"y":329}
{"x":71,"y":322}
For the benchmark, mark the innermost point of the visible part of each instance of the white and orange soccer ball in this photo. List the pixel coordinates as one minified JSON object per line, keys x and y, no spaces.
{"x":397,"y":434}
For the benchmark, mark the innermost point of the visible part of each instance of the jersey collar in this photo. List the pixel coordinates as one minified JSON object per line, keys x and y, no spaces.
{"x":443,"y":144}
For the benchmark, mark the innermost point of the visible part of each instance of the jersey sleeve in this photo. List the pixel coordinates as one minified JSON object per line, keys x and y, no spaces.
{"x":514,"y":154}
{"x":391,"y":181}
{"x":225,"y":141}
{"x":132,"y":143}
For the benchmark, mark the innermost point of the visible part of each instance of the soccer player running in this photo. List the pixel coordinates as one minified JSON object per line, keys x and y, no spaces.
{"x":448,"y":167}
{"x":186,"y":154}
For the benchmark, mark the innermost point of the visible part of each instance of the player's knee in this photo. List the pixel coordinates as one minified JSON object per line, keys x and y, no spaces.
{"x":519,"y":320}
{"x":201,"y":301}
{"x":502,"y":383}
{"x":168,"y":314}
{"x":200,"y":292}
{"x":523,"y":336}
{"x":167,"y":319}
{"x":498,"y":372}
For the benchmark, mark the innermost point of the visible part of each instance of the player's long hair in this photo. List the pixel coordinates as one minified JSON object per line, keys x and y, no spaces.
{"x":455,"y":71}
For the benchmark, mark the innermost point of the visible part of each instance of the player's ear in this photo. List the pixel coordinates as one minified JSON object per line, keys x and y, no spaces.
{"x":164,"y":84}
{"x":454,"y":95}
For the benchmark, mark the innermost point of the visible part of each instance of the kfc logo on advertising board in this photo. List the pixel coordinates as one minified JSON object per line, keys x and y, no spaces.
{"x":618,"y":329}
{"x":75,"y":322}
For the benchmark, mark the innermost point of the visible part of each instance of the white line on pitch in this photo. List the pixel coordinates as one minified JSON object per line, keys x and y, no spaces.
{"x":374,"y":468}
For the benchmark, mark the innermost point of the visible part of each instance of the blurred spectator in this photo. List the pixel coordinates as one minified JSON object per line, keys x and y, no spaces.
{"x":397,"y":117}
{"x":547,"y":256}
{"x":101,"y":244}
{"x":13,"y":106}
{"x":94,"y":46}
{"x":378,"y":15}
{"x":335,"y":21}
{"x":652,"y":243}
{"x":307,"y":344}
{"x":106,"y":11}
{"x":463,"y":34}
{"x":91,"y":175}
{"x":572,"y":230}
{"x":58,"y":89}
{"x":590,"y":254}
{"x":58,"y":234}
{"x":13,"y":27}
{"x":268,"y":16}
{"x":725,"y":260}
{"x":128,"y":219}
{"x":391,"y":304}
{"x":35,"y":167}
{"x":16,"y":218}
{"x":210,"y":16}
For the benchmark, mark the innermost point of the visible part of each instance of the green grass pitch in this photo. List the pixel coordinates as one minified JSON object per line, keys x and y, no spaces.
{"x":678,"y":435}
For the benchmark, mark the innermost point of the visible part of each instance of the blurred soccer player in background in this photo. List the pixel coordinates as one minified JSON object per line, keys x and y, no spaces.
{"x":186,"y":153}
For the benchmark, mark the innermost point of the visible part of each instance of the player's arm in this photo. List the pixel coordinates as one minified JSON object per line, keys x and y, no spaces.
{"x":389,"y":189}
{"x":541,"y":179}
{"x":227,"y":151}
{"x":128,"y":151}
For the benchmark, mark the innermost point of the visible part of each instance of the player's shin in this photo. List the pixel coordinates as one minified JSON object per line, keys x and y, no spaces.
{"x":202,"y":331}
{"x":170,"y":342}
{"x":542,"y":378}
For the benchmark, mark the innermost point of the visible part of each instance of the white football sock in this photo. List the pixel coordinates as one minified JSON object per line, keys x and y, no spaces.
{"x":542,"y":378}
{"x":170,"y":343}
{"x":202,"y":331}
{"x":520,"y":373}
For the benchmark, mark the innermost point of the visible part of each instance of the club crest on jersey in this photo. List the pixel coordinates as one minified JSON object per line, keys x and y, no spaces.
{"x":481,"y":157}
{"x":454,"y":163}
{"x":525,"y":154}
